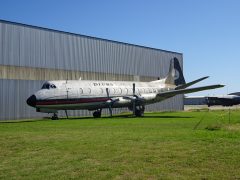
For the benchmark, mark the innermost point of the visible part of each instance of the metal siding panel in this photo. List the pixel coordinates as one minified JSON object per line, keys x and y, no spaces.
{"x":2,"y":105}
{"x":10,"y":42}
{"x":1,"y":43}
{"x":13,"y":102}
{"x":61,"y":53}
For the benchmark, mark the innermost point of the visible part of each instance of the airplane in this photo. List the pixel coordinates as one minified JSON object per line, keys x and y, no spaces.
{"x":223,"y":100}
{"x":95,"y":95}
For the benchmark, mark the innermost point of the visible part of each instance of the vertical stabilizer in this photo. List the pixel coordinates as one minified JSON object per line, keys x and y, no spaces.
{"x":175,"y":74}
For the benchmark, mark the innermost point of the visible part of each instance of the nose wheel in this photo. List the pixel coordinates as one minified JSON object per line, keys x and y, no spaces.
{"x":97,"y":114}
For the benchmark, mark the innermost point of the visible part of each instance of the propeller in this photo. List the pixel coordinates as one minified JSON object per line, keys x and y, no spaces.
{"x":110,"y":102}
{"x":134,"y":101}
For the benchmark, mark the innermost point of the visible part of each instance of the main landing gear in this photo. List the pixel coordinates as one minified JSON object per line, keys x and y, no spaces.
{"x":139,"y":111}
{"x":55,"y":116}
{"x":97,"y":113}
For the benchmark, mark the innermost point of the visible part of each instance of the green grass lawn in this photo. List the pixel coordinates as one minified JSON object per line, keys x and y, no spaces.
{"x":156,"y":146}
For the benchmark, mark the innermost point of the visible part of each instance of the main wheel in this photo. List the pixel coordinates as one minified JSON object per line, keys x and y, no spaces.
{"x":97,"y":114}
{"x":139,"y":113}
{"x":54,"y":117}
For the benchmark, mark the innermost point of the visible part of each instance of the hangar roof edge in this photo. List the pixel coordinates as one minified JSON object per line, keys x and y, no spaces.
{"x":70,"y":33}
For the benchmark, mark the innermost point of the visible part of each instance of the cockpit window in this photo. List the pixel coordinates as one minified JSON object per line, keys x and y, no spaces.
{"x":48,"y":86}
{"x":52,"y":86}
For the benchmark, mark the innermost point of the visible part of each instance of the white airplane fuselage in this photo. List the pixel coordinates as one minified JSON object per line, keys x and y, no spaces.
{"x":92,"y":95}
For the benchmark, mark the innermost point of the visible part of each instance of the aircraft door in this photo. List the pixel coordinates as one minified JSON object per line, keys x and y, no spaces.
{"x":71,"y":92}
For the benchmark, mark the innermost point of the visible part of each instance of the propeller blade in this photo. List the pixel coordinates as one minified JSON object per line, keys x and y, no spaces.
{"x":133,"y":89}
{"x":107,"y":90}
{"x":66,"y":113}
{"x":110,"y":110}
{"x":134,"y":101}
{"x":110,"y":104}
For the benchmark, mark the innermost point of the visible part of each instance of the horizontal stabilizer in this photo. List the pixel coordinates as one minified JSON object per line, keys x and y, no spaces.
{"x":183,"y":86}
{"x":172,"y":93}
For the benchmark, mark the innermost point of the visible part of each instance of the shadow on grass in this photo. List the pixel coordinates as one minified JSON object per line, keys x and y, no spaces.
{"x":25,"y":120}
{"x":126,"y":116}
{"x":170,"y":117}
{"x":129,"y":116}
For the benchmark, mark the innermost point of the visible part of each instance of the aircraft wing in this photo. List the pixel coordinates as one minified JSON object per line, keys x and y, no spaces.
{"x":172,"y":93}
{"x":191,"y":83}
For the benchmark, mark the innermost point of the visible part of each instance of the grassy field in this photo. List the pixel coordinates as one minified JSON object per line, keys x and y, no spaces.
{"x":170,"y":145}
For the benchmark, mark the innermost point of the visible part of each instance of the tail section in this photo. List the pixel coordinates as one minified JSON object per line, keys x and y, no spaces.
{"x":175,"y":74}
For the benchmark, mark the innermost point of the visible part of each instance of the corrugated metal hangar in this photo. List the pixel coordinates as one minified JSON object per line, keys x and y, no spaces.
{"x":31,"y":55}
{"x":195,"y":100}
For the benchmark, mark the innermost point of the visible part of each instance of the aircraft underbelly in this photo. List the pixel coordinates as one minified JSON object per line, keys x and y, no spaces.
{"x":71,"y":106}
{"x":79,"y":104}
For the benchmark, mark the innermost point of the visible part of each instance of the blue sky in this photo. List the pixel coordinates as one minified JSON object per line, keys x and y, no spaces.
{"x":206,"y":32}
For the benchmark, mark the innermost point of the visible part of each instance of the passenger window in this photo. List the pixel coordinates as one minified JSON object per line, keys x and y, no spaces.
{"x":81,"y":91}
{"x":137,"y":91}
{"x":130,"y":91}
{"x":125,"y":91}
{"x":86,"y":90}
{"x":115,"y":91}
{"x":120,"y":90}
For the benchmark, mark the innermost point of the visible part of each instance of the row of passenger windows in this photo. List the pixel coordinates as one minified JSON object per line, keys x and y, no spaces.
{"x":123,"y":91}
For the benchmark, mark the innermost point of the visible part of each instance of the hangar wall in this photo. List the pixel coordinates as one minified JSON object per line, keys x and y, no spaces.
{"x":30,"y":55}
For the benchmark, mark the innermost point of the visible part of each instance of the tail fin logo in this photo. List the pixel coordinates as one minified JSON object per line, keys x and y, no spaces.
{"x":178,"y":77}
{"x":175,"y":74}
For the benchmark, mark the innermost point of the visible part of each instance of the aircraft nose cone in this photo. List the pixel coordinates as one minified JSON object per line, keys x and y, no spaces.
{"x":32,"y":100}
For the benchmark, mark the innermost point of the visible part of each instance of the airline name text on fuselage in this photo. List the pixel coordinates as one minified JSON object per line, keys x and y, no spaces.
{"x":103,"y":84}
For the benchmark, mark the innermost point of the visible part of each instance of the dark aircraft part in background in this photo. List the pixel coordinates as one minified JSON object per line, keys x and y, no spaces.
{"x":235,"y":93}
{"x":223,"y":101}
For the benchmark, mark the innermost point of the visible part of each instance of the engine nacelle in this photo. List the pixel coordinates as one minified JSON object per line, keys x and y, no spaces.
{"x":150,"y":96}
